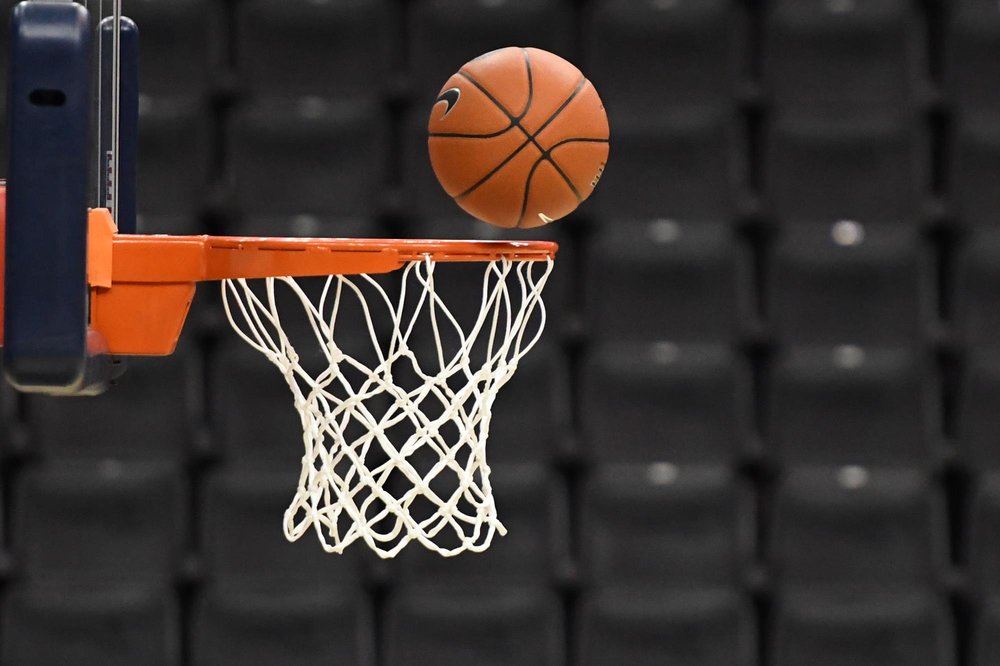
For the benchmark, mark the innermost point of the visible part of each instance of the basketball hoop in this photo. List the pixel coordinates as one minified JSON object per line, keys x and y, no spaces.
{"x":358,"y":480}
{"x":395,"y":437}
{"x":394,"y":434}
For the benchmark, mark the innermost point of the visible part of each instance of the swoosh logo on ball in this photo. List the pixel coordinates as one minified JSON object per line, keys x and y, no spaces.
{"x":450,"y":97}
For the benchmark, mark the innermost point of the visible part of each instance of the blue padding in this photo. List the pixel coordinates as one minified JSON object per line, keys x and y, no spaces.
{"x":49,"y":99}
{"x":128,"y":102}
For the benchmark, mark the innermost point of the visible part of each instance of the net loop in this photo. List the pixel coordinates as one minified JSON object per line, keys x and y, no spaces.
{"x":395,"y":432}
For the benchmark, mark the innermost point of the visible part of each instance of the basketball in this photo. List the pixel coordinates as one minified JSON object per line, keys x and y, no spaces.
{"x":518,"y":137}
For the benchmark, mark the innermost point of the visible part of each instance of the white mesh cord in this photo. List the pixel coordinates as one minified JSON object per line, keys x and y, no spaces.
{"x":395,"y":447}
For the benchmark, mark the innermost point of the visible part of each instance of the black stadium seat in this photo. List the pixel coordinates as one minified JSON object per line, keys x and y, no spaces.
{"x":316,"y":48}
{"x":664,"y":280}
{"x":846,"y":282}
{"x":973,"y":37}
{"x":148,"y":415}
{"x":986,"y":634}
{"x":168,"y":127}
{"x":825,"y":58}
{"x":659,"y":402}
{"x":826,"y":169}
{"x":100,"y":521}
{"x":662,"y":524}
{"x":858,"y":527}
{"x":91,"y":625}
{"x":854,"y":405}
{"x":976,"y":430}
{"x":178,"y":51}
{"x":645,"y":57}
{"x":309,"y":155}
{"x":983,"y":542}
{"x":655,"y":626}
{"x":681,"y":164}
{"x":486,"y":626}
{"x":974,"y":166}
{"x":977,"y":288}
{"x":863,"y":629}
{"x":274,"y":626}
{"x":445,"y":34}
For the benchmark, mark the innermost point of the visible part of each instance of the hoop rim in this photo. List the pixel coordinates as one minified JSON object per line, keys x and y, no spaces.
{"x":160,"y":259}
{"x":142,"y":285}
{"x":408,"y":249}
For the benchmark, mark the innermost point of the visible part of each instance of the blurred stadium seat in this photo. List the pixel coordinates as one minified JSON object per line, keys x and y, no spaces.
{"x":854,"y":405}
{"x":303,"y":47}
{"x":96,"y":625}
{"x":846,"y":282}
{"x":857,"y":527}
{"x":828,"y":58}
{"x":702,"y":627}
{"x":680,"y":164}
{"x":151,"y":415}
{"x":273,"y":626}
{"x":977,"y":293}
{"x":484,"y":625}
{"x":179,"y":52}
{"x":974,"y":165}
{"x":655,"y":55}
{"x":309,"y":155}
{"x":101,"y":521}
{"x":172,"y":126}
{"x":973,"y":41}
{"x":660,"y":524}
{"x":904,"y":629}
{"x":984,"y":536}
{"x":445,"y":34}
{"x":986,"y":636}
{"x":976,"y":431}
{"x":822,"y":170}
{"x":660,"y":402}
{"x":664,"y":280}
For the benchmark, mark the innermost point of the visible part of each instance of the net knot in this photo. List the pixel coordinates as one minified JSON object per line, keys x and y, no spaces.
{"x":335,"y":354}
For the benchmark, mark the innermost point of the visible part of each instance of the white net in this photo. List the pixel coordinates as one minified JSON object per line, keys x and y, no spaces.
{"x":395,"y":439}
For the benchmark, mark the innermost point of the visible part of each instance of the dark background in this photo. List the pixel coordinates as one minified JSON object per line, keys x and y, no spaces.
{"x":764,"y":427}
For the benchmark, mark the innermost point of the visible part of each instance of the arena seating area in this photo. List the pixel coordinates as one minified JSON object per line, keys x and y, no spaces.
{"x":763,"y":428}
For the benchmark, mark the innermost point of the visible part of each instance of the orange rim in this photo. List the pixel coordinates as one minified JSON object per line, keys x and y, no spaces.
{"x":142,"y":286}
{"x":143,"y":258}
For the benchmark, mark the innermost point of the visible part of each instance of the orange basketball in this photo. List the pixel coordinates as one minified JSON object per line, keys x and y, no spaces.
{"x":518,"y":137}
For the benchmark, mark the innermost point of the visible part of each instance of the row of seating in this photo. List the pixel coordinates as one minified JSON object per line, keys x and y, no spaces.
{"x":642,"y":55}
{"x":657,"y":524}
{"x":702,"y":122}
{"x":142,"y":624}
{"x":310,"y":155}
{"x":637,"y":402}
